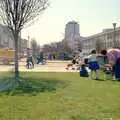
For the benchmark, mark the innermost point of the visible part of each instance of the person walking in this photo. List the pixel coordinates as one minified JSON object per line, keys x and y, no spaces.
{"x":30,"y":62}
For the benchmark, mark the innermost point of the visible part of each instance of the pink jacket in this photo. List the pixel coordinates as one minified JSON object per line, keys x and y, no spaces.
{"x":113,"y":55}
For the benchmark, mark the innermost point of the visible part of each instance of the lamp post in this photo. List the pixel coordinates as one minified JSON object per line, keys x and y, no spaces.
{"x":28,"y":47}
{"x":114,"y":35}
{"x":28,"y":41}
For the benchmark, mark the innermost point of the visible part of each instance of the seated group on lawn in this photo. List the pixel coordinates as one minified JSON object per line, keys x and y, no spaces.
{"x":109,"y":59}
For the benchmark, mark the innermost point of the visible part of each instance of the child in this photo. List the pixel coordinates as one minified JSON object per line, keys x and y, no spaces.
{"x":74,"y":60}
{"x":71,"y":65}
{"x":83,"y":71}
{"x":93,"y":64}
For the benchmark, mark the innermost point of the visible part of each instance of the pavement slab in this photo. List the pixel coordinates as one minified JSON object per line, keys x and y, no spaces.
{"x":50,"y":66}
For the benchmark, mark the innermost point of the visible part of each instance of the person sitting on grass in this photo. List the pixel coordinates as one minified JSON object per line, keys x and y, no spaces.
{"x":83,"y":71}
{"x":93,"y":64}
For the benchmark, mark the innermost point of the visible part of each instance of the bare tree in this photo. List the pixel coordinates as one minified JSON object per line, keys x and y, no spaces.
{"x":79,"y":45}
{"x":47,"y":48}
{"x":35,"y":48}
{"x":16,"y":14}
{"x":98,"y":45}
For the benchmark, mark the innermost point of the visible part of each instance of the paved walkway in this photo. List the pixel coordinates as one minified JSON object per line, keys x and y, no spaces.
{"x":50,"y":66}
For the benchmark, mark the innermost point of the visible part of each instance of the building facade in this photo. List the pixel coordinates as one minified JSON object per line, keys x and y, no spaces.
{"x":108,"y":38}
{"x":72,"y":31}
{"x":72,"y":34}
{"x":7,"y":40}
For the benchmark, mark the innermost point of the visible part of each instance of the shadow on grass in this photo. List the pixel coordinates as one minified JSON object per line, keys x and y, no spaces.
{"x":34,"y":87}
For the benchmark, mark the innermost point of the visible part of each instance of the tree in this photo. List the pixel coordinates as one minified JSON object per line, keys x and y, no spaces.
{"x":38,"y":49}
{"x":98,"y":45}
{"x":64,"y":47}
{"x":16,"y":14}
{"x":47,"y":48}
{"x":35,"y":48}
{"x":79,"y":45}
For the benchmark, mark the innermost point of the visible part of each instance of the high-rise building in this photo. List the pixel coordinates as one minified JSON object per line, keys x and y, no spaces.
{"x":72,"y":31}
{"x":72,"y":35}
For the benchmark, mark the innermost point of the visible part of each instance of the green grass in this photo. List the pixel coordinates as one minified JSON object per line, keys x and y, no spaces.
{"x":60,"y":96}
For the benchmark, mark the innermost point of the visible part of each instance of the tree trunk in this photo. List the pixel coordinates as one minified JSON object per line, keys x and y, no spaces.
{"x":16,"y":58}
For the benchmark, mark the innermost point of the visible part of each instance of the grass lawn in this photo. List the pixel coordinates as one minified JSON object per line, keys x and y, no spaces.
{"x":60,"y":96}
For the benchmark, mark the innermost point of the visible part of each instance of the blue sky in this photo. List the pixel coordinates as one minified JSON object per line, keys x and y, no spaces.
{"x":92,"y":15}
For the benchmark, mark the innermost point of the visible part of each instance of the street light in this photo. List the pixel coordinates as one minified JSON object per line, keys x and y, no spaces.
{"x":114,"y":35}
{"x":28,"y":41}
{"x":28,"y":47}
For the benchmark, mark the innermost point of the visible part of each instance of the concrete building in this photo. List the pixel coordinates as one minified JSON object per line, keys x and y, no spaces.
{"x":72,"y":34}
{"x":107,"y":38}
{"x":72,"y":31}
{"x":6,"y":40}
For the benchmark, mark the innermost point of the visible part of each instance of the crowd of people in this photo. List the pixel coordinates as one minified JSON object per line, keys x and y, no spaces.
{"x":105,"y":60}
